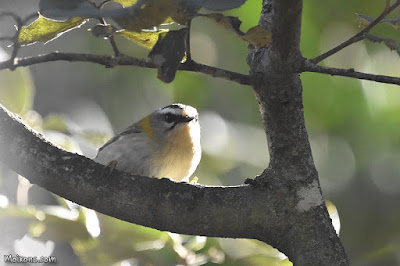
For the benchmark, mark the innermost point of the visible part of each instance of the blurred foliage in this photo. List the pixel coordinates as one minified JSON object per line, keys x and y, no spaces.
{"x":16,"y":90}
{"x":354,"y":129}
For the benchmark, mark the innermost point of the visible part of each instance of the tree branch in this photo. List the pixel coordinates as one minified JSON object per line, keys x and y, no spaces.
{"x":359,"y":36}
{"x":157,"y":203}
{"x":246,"y":211}
{"x":309,"y":66}
{"x":122,"y":60}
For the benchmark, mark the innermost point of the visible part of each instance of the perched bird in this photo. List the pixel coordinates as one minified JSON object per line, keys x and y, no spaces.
{"x":165,"y":143}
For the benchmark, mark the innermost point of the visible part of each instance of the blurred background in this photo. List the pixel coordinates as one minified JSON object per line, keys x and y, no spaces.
{"x":354,"y":129}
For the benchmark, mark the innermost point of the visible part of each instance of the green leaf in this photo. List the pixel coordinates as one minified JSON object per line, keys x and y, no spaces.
{"x":45,"y":30}
{"x":16,"y":90}
{"x":147,"y":39}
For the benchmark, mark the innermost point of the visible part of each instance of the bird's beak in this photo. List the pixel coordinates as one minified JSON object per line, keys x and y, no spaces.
{"x":188,"y":119}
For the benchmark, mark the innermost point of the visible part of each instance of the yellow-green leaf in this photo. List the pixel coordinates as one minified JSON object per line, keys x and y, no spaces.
{"x":258,"y":36}
{"x":146,"y":39}
{"x":45,"y":30}
{"x":126,"y":3}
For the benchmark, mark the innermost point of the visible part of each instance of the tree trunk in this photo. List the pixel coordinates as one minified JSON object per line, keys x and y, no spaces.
{"x":307,"y":236}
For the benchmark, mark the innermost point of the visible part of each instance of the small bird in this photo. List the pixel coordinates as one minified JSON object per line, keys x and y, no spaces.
{"x":165,"y":143}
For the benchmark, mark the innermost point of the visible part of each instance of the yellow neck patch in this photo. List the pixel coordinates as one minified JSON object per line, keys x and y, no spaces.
{"x":146,"y":126}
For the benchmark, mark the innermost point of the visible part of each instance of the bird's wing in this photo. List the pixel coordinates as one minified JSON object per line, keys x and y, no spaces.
{"x":130,"y":150}
{"x":134,"y":129}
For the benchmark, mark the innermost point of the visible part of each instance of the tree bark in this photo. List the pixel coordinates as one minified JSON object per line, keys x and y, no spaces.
{"x":307,"y":237}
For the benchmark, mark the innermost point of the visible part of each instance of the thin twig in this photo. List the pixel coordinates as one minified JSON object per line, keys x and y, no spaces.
{"x":111,"y":37}
{"x":114,"y":45}
{"x":188,"y":53}
{"x":14,"y":39}
{"x":310,"y":66}
{"x":123,"y":60}
{"x":359,"y":36}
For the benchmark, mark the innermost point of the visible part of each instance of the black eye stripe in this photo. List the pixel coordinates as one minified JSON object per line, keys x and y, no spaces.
{"x":174,"y":118}
{"x":170,"y":118}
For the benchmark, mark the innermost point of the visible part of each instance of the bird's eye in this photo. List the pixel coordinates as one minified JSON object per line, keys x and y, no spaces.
{"x":169,"y":118}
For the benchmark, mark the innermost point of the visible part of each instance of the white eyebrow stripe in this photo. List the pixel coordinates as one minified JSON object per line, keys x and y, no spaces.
{"x":174,"y":111}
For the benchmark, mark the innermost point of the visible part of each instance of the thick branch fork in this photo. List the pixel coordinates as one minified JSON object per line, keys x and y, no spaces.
{"x":122,"y":60}
{"x":238,"y":212}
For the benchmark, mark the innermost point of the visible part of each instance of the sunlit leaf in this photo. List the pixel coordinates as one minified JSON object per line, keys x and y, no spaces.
{"x":146,"y":39}
{"x":45,"y":30}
